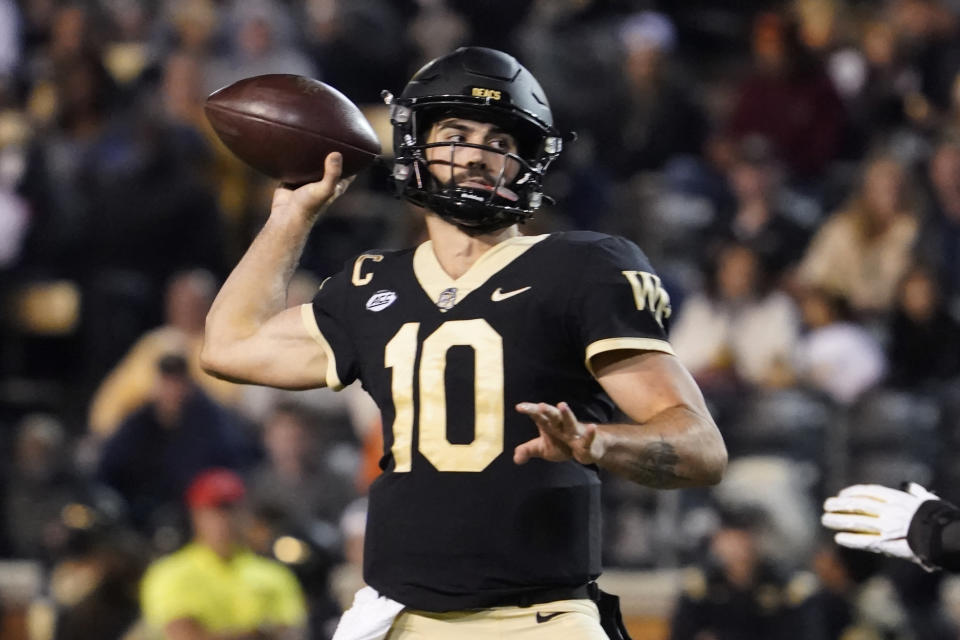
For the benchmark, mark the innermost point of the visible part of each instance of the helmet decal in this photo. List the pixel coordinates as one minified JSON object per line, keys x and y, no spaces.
{"x":481,"y":92}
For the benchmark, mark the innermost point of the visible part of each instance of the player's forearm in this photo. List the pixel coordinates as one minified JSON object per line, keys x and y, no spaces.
{"x":256,"y":289}
{"x":677,"y":448}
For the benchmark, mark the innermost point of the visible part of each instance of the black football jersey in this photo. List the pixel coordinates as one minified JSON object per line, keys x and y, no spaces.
{"x":453,"y":523}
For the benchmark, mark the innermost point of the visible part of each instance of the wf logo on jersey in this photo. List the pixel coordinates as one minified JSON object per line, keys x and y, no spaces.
{"x":381,"y":300}
{"x":649,"y":294}
{"x":448,"y":298}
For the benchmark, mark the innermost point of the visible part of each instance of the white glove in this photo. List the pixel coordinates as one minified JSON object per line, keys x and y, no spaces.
{"x":875,"y":518}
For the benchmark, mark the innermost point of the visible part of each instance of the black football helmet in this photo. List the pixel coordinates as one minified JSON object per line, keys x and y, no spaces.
{"x":488,"y":86}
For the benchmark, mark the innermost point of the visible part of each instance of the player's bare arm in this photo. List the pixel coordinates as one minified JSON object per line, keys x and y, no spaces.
{"x":250,"y":336}
{"x":674,"y":443}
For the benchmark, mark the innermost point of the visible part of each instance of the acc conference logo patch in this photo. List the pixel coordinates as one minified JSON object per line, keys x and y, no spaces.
{"x":381,"y":300}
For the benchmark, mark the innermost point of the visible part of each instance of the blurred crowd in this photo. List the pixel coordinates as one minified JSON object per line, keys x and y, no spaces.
{"x":791,"y":168}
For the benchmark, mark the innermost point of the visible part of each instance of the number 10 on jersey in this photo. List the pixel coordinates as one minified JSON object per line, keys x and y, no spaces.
{"x":401,"y":356}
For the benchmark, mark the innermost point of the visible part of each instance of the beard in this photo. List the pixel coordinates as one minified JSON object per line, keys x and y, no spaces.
{"x":474,"y":178}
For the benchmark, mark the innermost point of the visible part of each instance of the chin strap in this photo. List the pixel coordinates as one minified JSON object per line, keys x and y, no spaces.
{"x":501,"y":222}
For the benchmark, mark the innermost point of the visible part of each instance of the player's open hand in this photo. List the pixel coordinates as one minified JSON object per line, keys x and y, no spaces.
{"x":308,"y":201}
{"x":562,"y":436}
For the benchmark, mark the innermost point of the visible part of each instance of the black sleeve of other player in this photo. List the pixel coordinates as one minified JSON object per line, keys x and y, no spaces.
{"x":934,"y":534}
{"x":618,"y":302}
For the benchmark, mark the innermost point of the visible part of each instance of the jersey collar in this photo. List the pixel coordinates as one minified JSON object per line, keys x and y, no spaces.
{"x":434,"y":280}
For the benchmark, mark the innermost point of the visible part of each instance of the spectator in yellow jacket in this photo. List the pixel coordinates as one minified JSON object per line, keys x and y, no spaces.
{"x":215,"y":587}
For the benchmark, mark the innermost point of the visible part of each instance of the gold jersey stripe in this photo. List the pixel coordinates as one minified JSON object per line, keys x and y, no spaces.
{"x":637,"y":344}
{"x":434,"y":280}
{"x":310,"y":323}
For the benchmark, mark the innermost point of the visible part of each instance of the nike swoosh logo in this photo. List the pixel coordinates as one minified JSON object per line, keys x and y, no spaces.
{"x":499,"y":295}
{"x":547,"y":617}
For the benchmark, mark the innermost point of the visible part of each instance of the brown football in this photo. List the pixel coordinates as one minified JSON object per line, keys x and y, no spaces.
{"x":285,"y":125}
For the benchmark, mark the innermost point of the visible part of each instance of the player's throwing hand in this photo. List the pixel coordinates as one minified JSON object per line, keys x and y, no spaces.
{"x":309,"y":200}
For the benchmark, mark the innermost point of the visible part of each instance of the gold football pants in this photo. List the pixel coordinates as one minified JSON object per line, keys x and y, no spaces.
{"x":559,"y":620}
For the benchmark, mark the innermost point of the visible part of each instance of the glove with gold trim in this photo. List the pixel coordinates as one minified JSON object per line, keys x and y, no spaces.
{"x":876,"y":518}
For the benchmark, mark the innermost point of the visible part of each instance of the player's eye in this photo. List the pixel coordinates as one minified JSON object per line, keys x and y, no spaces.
{"x":499,"y":143}
{"x":455,"y":137}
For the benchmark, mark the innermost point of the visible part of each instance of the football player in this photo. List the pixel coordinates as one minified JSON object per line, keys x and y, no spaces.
{"x":496,"y":359}
{"x":913,"y":524}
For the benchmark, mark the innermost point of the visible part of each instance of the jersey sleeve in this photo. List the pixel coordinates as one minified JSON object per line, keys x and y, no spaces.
{"x":326,"y":320}
{"x":620,"y":302}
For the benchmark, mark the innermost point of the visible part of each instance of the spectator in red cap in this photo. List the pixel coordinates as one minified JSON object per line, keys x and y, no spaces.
{"x":215,"y":587}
